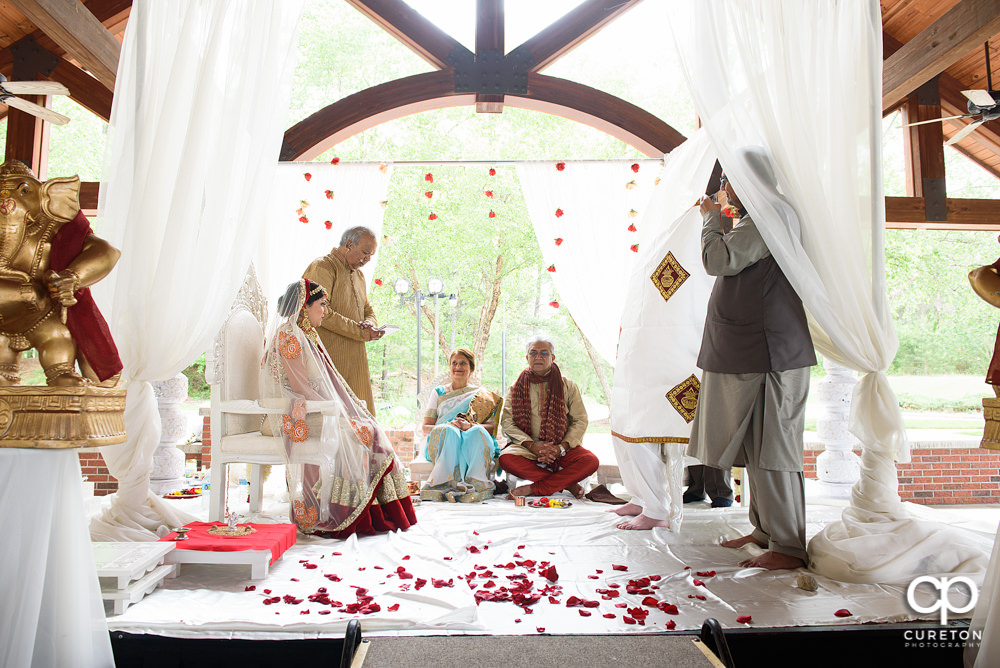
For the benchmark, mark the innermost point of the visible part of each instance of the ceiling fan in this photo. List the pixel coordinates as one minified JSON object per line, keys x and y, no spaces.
{"x":10,"y":89}
{"x":982,"y":103}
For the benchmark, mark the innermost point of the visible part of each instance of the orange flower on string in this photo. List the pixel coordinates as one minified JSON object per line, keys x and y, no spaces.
{"x":631,"y":228}
{"x":559,"y":213}
{"x":308,"y":176}
{"x":433,"y":216}
{"x":493,"y":172}
{"x":560,"y":166}
{"x":328,"y":193}
{"x":633,"y":213}
{"x":378,"y":282}
{"x":551,"y":268}
{"x":559,"y":241}
{"x":335,"y":161}
{"x":383,"y":167}
{"x":429,"y":177}
{"x":631,"y":185}
{"x":383,"y":203}
{"x":635,"y":167}
{"x":492,"y":214}
{"x":429,"y":194}
{"x":634,"y":248}
{"x":656,"y":181}
{"x":554,"y":304}
{"x":327,"y":224}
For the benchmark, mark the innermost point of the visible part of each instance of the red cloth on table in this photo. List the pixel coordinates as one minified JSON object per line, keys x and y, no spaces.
{"x":274,"y":537}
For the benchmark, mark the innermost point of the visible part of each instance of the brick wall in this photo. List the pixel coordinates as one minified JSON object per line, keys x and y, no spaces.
{"x":96,"y":471}
{"x":206,"y":443}
{"x":402,"y":444}
{"x":942,"y":475}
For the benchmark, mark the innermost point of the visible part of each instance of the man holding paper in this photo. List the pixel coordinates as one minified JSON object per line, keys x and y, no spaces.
{"x":351,"y":321}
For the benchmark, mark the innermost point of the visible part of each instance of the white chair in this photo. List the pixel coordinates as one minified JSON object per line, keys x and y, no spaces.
{"x":232,"y":369}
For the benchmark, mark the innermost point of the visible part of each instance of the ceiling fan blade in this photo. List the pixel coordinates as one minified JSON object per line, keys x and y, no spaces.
{"x":938,"y":120}
{"x":964,"y":132}
{"x":53,"y":117}
{"x":35,"y":88}
{"x":980,"y":98}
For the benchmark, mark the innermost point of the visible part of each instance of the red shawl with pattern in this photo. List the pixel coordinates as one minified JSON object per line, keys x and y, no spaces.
{"x":553,"y":408}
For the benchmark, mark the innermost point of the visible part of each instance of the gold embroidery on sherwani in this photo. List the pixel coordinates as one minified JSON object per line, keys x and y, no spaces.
{"x":684,"y":397}
{"x":668,"y":276}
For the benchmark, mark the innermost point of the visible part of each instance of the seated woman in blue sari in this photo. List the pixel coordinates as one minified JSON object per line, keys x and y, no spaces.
{"x":461,"y":424}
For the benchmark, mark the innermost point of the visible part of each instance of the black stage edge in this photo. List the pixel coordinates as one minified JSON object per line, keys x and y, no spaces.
{"x":915,"y":645}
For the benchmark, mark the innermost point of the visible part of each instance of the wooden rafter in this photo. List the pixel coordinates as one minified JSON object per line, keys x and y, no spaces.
{"x":963,"y":214}
{"x":73,"y":27}
{"x":572,"y":29}
{"x":84,"y":89}
{"x":489,"y":37}
{"x":412,"y":29}
{"x":924,"y":148}
{"x":963,"y":28}
{"x":435,"y":90}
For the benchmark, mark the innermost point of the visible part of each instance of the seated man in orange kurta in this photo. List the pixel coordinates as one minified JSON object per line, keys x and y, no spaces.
{"x":544,"y":420}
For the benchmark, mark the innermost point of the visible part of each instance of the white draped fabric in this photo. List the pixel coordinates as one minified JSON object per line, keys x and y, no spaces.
{"x":802,"y":80}
{"x":343,"y":195}
{"x":199,"y":110}
{"x":982,"y":650}
{"x":661,"y":333}
{"x":51,"y":613}
{"x":594,"y":256}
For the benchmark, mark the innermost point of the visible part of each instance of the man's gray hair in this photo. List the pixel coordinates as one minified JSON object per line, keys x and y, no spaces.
{"x":355,"y":234}
{"x":540,"y":338}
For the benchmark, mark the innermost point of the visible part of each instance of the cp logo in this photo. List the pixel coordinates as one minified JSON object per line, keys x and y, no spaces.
{"x":943,"y":603}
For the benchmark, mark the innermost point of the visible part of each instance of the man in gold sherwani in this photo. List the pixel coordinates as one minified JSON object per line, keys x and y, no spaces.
{"x":351,"y":321}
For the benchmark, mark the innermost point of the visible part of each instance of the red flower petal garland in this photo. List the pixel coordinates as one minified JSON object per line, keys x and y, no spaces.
{"x":559,"y":213}
{"x":335,"y":161}
{"x":551,"y":269}
{"x":303,"y":219}
{"x":328,"y":193}
{"x":489,"y":193}
{"x":429,"y":194}
{"x":559,"y":241}
{"x":307,"y":176}
{"x":433,"y":216}
{"x":378,"y":282}
{"x":560,"y":166}
{"x":492,"y":214}
{"x":554,"y":304}
{"x":327,"y":224}
{"x":429,"y":177}
{"x":634,"y":248}
{"x":493,"y":172}
{"x":632,"y":228}
{"x":635,"y":167}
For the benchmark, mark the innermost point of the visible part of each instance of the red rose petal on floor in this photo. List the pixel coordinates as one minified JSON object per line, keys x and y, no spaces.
{"x":744,"y":619}
{"x":654,"y":578}
{"x":650,"y":601}
{"x":619,"y":567}
{"x":405,"y":557}
{"x":614,"y":585}
{"x":540,"y":629}
{"x":473,"y":549}
{"x":621,"y":605}
{"x":267,"y":591}
{"x":627,"y":619}
{"x":517,"y":620}
{"x":687,"y":568}
{"x":706,"y":574}
{"x":668,"y":608}
{"x":550,"y":574}
{"x":448,"y":558}
{"x":671,"y":625}
{"x":250,"y":588}
{"x":520,"y":547}
{"x":698,"y":583}
{"x":325,"y":612}
{"x":843,"y":612}
{"x":380,"y":568}
{"x":393,"y":608}
{"x":584,"y":613}
{"x":593,"y":577}
{"x":700,"y":597}
{"x":590,"y":604}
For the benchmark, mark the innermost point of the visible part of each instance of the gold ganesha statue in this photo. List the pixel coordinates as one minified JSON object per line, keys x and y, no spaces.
{"x":49,"y":256}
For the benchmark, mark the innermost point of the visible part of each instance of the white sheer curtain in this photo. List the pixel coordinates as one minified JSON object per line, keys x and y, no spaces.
{"x":199,"y":110}
{"x":594,"y":257}
{"x":342,"y":196}
{"x":802,"y":81}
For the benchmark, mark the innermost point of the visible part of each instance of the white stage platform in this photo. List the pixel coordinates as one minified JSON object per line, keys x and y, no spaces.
{"x":506,"y":546}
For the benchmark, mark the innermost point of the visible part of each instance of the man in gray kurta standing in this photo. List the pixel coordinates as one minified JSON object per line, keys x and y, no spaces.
{"x":755,"y":353}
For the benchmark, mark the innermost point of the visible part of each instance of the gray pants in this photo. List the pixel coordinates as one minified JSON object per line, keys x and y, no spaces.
{"x":704,"y":480}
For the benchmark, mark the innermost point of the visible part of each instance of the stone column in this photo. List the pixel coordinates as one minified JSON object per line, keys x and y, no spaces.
{"x":837,"y":467}
{"x":168,"y":459}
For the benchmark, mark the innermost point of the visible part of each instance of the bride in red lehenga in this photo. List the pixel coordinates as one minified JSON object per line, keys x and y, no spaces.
{"x":342,"y":473}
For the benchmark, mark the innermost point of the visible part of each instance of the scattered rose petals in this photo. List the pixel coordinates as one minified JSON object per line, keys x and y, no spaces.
{"x":737,"y":498}
{"x":473,"y":549}
{"x":627,"y":619}
{"x":609,"y":615}
{"x":668,"y":608}
{"x":448,"y":558}
{"x":540,"y":629}
{"x":393,"y":608}
{"x":267,"y":591}
{"x":550,"y":574}
{"x":706,"y":574}
{"x":650,"y":601}
{"x":559,"y":213}
{"x":560,"y":166}
{"x":619,"y":567}
{"x":843,"y":612}
{"x":250,"y":588}
{"x":671,"y":625}
{"x":698,"y":583}
{"x":308,"y":176}
{"x":635,"y":167}
{"x":621,"y":605}
{"x":744,"y":619}
{"x":405,"y":556}
{"x":584,"y":613}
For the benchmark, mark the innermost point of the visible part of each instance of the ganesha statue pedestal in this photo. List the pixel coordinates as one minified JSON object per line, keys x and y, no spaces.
{"x":61,"y":417}
{"x":991,"y":433}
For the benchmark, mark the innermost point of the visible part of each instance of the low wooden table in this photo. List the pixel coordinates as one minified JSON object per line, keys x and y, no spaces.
{"x":129,"y":571}
{"x":259,"y":549}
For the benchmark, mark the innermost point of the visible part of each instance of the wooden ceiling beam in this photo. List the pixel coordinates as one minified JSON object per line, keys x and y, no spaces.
{"x":435,"y":90}
{"x":489,"y":37}
{"x":84,"y":89}
{"x":963,"y":28}
{"x":573,"y":29}
{"x":411,"y":28}
{"x":71,"y":25}
{"x":963,"y":214}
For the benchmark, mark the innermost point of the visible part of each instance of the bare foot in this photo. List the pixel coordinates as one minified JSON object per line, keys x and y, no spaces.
{"x":773,"y":561}
{"x":642,"y":522}
{"x":628,"y":509}
{"x":576,"y":490}
{"x":740,"y":542}
{"x":523,"y":490}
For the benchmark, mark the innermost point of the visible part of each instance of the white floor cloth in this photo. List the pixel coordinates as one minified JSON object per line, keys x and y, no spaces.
{"x":581,"y":542}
